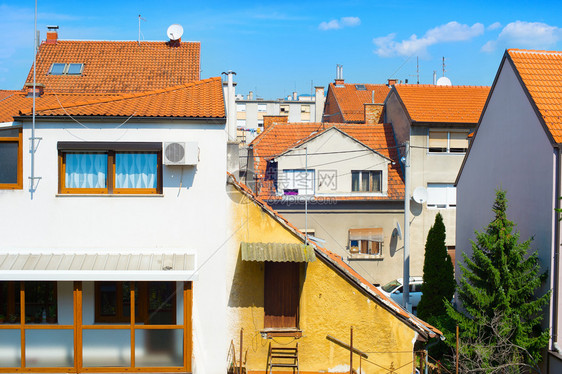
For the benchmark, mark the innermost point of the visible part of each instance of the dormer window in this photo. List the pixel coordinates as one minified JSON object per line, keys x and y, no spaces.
{"x":66,"y":69}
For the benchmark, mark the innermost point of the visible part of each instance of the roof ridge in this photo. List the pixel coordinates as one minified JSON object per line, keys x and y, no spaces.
{"x":118,"y":97}
{"x":533,"y":51}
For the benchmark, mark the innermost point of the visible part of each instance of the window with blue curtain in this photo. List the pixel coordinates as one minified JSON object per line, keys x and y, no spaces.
{"x":86,"y":170}
{"x":136,"y":170}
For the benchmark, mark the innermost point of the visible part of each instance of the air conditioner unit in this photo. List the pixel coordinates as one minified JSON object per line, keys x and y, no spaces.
{"x":180,"y":153}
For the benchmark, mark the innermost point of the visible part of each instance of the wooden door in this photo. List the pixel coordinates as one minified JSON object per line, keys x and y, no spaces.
{"x":281,"y":294}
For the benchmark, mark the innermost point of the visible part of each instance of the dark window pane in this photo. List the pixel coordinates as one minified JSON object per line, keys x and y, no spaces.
{"x":9,"y":162}
{"x":161,"y":303}
{"x":10,"y":133}
{"x":40,"y":301}
{"x":57,"y":69}
{"x":108,"y":299}
{"x":355,"y":181}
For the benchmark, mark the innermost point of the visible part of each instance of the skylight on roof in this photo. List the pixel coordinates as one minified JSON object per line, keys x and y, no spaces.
{"x":57,"y":69}
{"x":360,"y":87}
{"x":66,"y":69}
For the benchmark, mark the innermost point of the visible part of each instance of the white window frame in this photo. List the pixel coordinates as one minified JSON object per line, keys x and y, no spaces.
{"x":262,"y":108}
{"x":290,"y":179}
{"x":448,"y":149}
{"x":240,"y":107}
{"x":441,"y":196}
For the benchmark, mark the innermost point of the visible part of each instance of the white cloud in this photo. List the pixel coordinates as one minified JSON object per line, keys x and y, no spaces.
{"x":521,"y":34}
{"x":340,"y":24}
{"x":449,"y":32}
{"x":493,"y":26}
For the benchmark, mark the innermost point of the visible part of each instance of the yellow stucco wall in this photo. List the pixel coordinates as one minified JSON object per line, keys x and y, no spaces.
{"x":329,"y":304}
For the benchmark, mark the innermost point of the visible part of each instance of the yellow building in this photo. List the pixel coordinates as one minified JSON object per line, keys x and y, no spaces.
{"x":285,"y":293}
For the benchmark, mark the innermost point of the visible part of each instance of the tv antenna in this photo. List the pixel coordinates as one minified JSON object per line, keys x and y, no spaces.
{"x":140,"y":19}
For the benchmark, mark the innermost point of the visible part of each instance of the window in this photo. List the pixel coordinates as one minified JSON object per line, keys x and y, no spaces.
{"x":240,"y":107}
{"x":262,"y":107}
{"x":366,"y":180}
{"x":155,"y":302}
{"x":110,"y":168}
{"x":366,"y":241}
{"x":281,"y":294}
{"x":305,"y":108}
{"x":441,"y":195}
{"x":11,"y":159}
{"x":241,"y":135}
{"x":360,"y":87}
{"x":66,"y":69}
{"x":296,"y":182}
{"x":284,"y":109}
{"x":448,"y":141}
{"x":40,"y":302}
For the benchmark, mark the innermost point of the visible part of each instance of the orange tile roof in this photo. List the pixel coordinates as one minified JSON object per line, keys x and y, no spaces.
{"x":350,"y":100}
{"x":541,"y":72}
{"x":111,"y":66}
{"x":448,"y":104}
{"x":337,"y":262}
{"x":280,"y":137}
{"x":202,"y":99}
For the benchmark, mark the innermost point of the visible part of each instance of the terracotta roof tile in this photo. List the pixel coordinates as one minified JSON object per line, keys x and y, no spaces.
{"x":541,"y":72}
{"x":450,"y":104}
{"x":350,"y":100}
{"x":280,"y":137}
{"x":202,"y":99}
{"x":111,"y":66}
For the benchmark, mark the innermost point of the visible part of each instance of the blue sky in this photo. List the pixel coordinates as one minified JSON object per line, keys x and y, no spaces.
{"x":277,"y":47}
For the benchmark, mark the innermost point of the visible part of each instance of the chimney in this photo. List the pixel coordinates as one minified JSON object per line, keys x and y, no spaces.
{"x":373,"y":113}
{"x":319,"y":100}
{"x":269,"y":120}
{"x":52,"y":35}
{"x":295,"y":96}
{"x":251,"y":95}
{"x":230,"y":105}
{"x":392,"y":82}
{"x":39,"y":89}
{"x":339,"y":75}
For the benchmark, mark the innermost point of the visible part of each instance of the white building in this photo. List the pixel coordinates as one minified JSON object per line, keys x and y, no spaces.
{"x":298,"y":108}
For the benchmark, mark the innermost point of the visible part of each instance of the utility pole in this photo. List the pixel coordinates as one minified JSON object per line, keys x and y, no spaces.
{"x":406,"y":279}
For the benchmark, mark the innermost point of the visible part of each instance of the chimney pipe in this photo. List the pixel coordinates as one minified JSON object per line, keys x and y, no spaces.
{"x":392,"y":81}
{"x":230,"y":105}
{"x":52,"y":35}
{"x":39,"y":89}
{"x":295,"y":96}
{"x":251,"y":95}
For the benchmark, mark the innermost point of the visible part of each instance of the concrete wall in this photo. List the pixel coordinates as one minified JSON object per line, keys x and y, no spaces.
{"x":189,"y":217}
{"x":510,"y":151}
{"x":328,"y":305}
{"x":332,"y":222}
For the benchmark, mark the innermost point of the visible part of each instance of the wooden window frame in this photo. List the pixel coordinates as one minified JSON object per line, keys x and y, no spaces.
{"x":111,"y":149}
{"x":141,"y":316}
{"x":269,"y":300}
{"x":19,"y":184}
{"x":14,"y":307}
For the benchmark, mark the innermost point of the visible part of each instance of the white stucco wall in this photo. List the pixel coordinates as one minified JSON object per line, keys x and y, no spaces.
{"x":510,"y":151}
{"x":335,"y":154}
{"x":190,"y":215}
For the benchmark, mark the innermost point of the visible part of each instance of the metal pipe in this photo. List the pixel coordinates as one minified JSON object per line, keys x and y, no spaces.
{"x":457,"y":353}
{"x":306,"y":197}
{"x":406,"y":279}
{"x":556,"y":265}
{"x":32,"y":171}
{"x":346,"y":346}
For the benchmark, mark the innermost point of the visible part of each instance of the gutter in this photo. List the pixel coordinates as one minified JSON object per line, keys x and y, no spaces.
{"x":210,"y":120}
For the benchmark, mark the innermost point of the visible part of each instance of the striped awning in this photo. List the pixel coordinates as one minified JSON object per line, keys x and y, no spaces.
{"x":373,"y":234}
{"x":277,"y":252}
{"x":110,"y":267}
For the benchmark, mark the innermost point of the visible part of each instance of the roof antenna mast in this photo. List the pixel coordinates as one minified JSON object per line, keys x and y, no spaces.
{"x":444,"y":66}
{"x":140,"y":18}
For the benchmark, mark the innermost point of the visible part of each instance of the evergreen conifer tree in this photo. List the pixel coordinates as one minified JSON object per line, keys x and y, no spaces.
{"x":438,"y":275}
{"x":499,"y":281}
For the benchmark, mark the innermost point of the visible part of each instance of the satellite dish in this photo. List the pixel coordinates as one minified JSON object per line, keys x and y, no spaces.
{"x":398,"y":231}
{"x":444,"y":81}
{"x":175,"y":32}
{"x":420,"y":195}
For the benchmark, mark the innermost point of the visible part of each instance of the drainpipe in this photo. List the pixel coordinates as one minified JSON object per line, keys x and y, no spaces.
{"x":556,"y":265}
{"x":32,"y":177}
{"x":406,"y":279}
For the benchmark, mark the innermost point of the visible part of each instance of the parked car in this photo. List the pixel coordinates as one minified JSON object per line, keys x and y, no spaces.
{"x":395,"y":291}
